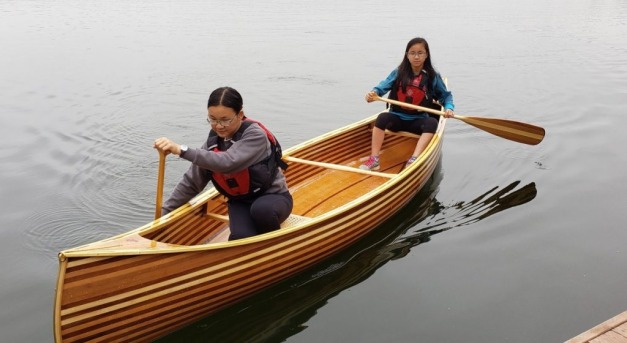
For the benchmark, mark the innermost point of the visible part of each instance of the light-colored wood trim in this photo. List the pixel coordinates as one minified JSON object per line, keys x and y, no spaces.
{"x":219,"y":217}
{"x":402,"y":133}
{"x":338,"y":167}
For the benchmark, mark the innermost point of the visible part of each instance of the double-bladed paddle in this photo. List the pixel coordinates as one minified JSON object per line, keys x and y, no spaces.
{"x":508,"y":129}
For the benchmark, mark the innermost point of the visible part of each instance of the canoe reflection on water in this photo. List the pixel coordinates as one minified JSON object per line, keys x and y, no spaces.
{"x":280,"y":312}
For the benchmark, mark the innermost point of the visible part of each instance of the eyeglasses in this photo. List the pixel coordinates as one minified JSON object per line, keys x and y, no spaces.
{"x":418,"y":54}
{"x":221,"y":122}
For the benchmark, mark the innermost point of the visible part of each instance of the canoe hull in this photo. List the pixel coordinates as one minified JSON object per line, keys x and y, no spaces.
{"x":140,"y":295}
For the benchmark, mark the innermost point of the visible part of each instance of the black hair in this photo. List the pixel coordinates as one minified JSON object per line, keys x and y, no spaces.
{"x":227,"y":97}
{"x":406,"y":74}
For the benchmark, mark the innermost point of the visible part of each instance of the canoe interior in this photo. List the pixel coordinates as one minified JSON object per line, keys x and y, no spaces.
{"x":315,"y":189}
{"x":169,"y":273}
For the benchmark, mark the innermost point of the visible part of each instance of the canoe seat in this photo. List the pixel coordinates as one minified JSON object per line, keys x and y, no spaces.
{"x":223,"y":235}
{"x":401,"y":133}
{"x":293,"y":220}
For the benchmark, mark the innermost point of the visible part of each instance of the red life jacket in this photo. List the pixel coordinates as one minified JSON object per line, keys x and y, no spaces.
{"x":254,"y":180}
{"x":415,"y":93}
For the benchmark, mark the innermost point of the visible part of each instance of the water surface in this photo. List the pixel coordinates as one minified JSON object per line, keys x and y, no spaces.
{"x":510,"y":243}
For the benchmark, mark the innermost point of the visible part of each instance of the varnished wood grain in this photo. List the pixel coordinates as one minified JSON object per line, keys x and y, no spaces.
{"x":508,"y":129}
{"x":138,"y":286}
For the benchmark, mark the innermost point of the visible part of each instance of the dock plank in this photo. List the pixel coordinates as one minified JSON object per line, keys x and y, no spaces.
{"x":613,"y":330}
{"x":610,"y":337}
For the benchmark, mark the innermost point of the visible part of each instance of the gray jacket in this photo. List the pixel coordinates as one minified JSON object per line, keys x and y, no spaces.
{"x":252,"y":148}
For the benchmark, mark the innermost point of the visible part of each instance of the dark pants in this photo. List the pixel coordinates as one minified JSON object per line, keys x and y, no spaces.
{"x":261,"y":215}
{"x":392,"y":122}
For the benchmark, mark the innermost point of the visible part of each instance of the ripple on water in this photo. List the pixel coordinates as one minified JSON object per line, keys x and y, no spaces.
{"x":60,"y":226}
{"x":69,"y":219}
{"x":106,"y":168}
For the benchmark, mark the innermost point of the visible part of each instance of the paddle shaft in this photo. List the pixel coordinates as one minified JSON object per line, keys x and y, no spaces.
{"x":504,"y":128}
{"x":160,"y":178}
{"x":416,"y":107}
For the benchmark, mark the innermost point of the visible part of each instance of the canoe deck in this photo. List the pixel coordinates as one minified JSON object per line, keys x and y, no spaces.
{"x":613,"y":330}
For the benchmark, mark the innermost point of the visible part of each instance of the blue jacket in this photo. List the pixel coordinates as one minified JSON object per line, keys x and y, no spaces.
{"x":440,"y":92}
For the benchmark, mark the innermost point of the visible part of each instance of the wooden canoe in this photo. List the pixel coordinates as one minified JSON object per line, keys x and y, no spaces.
{"x":143,"y":284}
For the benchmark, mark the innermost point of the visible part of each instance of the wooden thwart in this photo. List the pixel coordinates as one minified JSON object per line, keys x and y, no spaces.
{"x":338,"y":167}
{"x":613,"y":330}
{"x":220,"y":217}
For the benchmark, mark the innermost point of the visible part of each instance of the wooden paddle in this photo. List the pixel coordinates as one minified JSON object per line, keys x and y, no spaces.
{"x":160,"y":184}
{"x":508,"y":129}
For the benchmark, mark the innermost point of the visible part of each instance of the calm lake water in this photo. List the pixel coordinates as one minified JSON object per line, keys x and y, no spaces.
{"x":509,"y":243}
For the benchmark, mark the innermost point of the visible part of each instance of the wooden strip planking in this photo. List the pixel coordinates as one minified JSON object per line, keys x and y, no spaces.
{"x":600,"y":330}
{"x":234,"y":263}
{"x":169,"y":280}
{"x":610,"y":337}
{"x":286,"y":260}
{"x":497,"y":127}
{"x":622,"y":329}
{"x":129,"y":325}
{"x":203,"y":309}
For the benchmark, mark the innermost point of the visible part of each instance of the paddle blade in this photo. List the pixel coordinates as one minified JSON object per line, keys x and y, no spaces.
{"x":508,"y":129}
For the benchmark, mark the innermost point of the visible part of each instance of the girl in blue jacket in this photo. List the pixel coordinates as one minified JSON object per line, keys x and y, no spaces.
{"x":416,"y":82}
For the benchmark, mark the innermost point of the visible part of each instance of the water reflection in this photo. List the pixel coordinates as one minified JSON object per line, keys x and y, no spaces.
{"x":282,"y":311}
{"x":491,"y":202}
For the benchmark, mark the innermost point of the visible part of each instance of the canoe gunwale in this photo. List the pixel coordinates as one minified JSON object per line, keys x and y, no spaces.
{"x":201,"y":199}
{"x":307,"y":242}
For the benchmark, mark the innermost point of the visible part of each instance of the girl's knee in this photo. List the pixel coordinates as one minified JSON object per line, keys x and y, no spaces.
{"x":269,"y":212}
{"x":430,"y":125}
{"x":383,"y":120}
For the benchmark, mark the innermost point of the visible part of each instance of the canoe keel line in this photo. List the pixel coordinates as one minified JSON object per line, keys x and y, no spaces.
{"x":141,"y":285}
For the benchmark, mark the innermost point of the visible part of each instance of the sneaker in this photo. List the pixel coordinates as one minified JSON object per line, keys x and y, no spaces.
{"x":410,"y":161}
{"x":371,"y":164}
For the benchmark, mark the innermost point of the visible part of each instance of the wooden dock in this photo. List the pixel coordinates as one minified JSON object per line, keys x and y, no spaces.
{"x":611,"y":331}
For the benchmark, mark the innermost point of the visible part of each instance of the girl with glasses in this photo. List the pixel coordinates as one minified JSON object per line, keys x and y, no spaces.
{"x":242,"y":160}
{"x":416,"y":82}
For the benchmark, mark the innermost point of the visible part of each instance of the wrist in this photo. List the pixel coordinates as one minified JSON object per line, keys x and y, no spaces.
{"x":182,"y":149}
